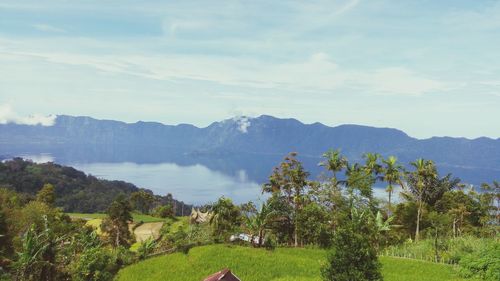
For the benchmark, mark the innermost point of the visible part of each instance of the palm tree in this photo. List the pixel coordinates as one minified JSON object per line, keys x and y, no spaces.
{"x":419,"y":183}
{"x":334,"y":162}
{"x":493,"y":193}
{"x":392,"y":175}
{"x":371,"y":163}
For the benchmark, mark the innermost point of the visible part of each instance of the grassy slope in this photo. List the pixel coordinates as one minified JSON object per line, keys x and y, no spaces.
{"x":258,"y":264}
{"x":136,"y":217}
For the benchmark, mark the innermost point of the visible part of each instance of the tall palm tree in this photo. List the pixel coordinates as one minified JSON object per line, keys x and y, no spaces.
{"x":334,"y":162}
{"x":392,"y":175}
{"x":425,"y":172}
{"x":372,"y":164}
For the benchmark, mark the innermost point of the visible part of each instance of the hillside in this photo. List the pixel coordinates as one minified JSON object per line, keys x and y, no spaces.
{"x":75,"y":191}
{"x":252,"y":264}
{"x":474,"y":161}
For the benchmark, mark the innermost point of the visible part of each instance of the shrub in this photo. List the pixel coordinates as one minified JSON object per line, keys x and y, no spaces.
{"x":484,"y":264}
{"x":146,"y":248}
{"x":94,"y":264}
{"x":352,"y":257}
{"x":270,"y":243}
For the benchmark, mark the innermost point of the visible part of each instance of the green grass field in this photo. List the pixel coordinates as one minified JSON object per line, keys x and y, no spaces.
{"x":258,"y":264}
{"x":136,"y":217}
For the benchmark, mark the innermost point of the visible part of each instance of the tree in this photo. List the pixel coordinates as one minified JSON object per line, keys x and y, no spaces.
{"x":492,"y":192}
{"x":372,"y":164}
{"x":330,"y":191}
{"x":352,"y":257}
{"x":165,"y":211}
{"x":290,"y":179}
{"x":420,"y":183}
{"x":392,"y":174}
{"x":359,"y":182}
{"x":142,"y":201}
{"x":313,"y":222}
{"x":47,"y":195}
{"x":334,"y":162}
{"x":116,"y":223}
{"x":226,"y":217}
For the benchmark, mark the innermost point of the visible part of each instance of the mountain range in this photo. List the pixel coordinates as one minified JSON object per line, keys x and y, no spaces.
{"x":473,"y":160}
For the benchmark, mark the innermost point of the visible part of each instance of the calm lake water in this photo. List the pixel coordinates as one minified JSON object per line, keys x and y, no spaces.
{"x":194,"y":180}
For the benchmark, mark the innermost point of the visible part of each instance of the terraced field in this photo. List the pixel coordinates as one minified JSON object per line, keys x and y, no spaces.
{"x":252,"y":264}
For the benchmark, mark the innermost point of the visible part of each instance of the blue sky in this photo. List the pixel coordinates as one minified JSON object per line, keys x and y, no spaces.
{"x":430,"y":68}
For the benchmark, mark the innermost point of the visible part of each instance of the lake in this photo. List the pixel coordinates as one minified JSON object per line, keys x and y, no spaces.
{"x":194,"y":179}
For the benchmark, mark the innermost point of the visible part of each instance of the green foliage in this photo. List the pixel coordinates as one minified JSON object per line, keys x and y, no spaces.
{"x":225,"y":219}
{"x":451,"y":251}
{"x":74,"y":190}
{"x":270,"y":243}
{"x":146,"y":248}
{"x":142,"y":201}
{"x":313,"y":230}
{"x":353,"y":257}
{"x":289,"y":181}
{"x":37,"y":257}
{"x":47,"y":195}
{"x":94,"y":264}
{"x":484,"y":264}
{"x":165,"y":211}
{"x":116,"y":223}
{"x":258,"y":222}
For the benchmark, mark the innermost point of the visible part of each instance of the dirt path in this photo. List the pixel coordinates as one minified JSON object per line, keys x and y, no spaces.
{"x":148,"y":230}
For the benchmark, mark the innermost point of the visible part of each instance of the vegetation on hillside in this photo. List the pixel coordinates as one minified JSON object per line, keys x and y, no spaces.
{"x":437,"y":218}
{"x":75,"y":191}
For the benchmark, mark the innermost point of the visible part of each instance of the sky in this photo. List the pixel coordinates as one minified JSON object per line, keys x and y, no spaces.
{"x":429,"y":68}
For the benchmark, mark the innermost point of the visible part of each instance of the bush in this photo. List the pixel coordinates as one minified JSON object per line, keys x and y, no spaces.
{"x":484,"y":264}
{"x":270,"y":243}
{"x":166,"y":211}
{"x":352,"y":257}
{"x":146,"y":248}
{"x":94,"y":264}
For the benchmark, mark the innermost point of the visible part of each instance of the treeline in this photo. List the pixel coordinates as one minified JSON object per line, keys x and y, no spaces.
{"x":340,"y":212}
{"x":75,"y":191}
{"x":301,"y":212}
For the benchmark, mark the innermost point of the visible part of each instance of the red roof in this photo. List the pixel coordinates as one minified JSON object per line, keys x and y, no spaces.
{"x":223,"y":275}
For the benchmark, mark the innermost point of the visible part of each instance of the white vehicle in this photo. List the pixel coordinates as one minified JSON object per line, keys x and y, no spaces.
{"x":245,"y":237}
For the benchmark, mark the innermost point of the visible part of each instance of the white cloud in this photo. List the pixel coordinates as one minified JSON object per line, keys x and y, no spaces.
{"x":317,"y":73}
{"x":243,"y":123}
{"x":48,"y":28}
{"x":8,"y":115}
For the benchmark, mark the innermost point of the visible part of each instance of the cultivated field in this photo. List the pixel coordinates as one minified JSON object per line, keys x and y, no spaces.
{"x":252,"y":264}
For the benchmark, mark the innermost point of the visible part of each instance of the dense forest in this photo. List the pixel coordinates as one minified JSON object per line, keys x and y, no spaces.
{"x":425,"y":216}
{"x":75,"y":191}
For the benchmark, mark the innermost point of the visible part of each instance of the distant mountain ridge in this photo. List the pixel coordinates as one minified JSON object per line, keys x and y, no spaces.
{"x":474,"y":160}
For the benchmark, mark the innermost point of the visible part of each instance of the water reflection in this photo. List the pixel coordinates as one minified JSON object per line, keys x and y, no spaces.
{"x":195,"y":178}
{"x":194,"y":184}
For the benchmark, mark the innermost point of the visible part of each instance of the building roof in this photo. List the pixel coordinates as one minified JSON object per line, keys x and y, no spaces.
{"x":223,"y":275}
